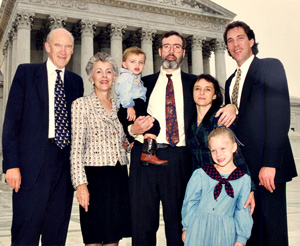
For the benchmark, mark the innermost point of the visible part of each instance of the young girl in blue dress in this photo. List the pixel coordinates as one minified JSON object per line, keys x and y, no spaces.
{"x":213,"y":212}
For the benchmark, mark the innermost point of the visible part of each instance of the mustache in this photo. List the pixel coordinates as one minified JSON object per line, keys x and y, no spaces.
{"x":171,"y":55}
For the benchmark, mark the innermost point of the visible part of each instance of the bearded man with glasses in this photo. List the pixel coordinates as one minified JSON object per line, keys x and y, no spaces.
{"x":152,"y":184}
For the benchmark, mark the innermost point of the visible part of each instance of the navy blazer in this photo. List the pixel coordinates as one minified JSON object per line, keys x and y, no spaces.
{"x":25,"y":129}
{"x":264,"y":119}
{"x":187,"y":86}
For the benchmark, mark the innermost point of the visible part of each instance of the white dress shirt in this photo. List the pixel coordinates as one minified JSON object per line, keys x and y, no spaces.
{"x":157,"y":102}
{"x":244,"y":70}
{"x":52,"y":75}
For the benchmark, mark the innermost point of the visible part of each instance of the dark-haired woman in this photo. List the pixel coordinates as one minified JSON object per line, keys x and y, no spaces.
{"x":208,"y":98}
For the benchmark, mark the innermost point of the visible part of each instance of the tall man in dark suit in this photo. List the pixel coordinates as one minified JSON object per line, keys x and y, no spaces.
{"x":36,"y":144}
{"x":259,"y":90}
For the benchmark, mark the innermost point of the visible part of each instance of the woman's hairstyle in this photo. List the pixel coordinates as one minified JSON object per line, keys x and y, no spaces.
{"x":249,"y":32}
{"x":222,"y":131}
{"x":103,"y":57}
{"x":132,"y":50}
{"x":218,"y":90}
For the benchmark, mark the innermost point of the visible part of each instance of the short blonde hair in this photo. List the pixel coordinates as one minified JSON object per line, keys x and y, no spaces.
{"x":222,"y":131}
{"x":132,"y":50}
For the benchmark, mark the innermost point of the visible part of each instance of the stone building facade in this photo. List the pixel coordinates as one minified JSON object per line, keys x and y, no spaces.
{"x":111,"y":26}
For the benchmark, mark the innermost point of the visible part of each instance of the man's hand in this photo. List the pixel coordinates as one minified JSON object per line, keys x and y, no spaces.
{"x":83,"y":196}
{"x":13,"y":178}
{"x":266,"y":178}
{"x":228,"y":115}
{"x":142,"y":124}
{"x":251,"y":202}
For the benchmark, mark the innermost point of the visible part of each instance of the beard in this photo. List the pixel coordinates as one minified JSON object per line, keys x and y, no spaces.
{"x":172,"y":64}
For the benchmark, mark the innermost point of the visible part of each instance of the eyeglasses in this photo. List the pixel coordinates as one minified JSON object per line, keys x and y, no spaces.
{"x":167,"y":47}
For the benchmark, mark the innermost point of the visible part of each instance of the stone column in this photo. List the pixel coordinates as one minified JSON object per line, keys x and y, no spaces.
{"x":5,"y":83}
{"x":56,"y":21}
{"x":116,"y":36}
{"x":76,"y":57}
{"x":24,"y":21}
{"x":88,"y":29}
{"x":206,"y":52}
{"x":219,"y":50}
{"x":14,"y":51}
{"x":147,"y":36}
{"x":9,"y":59}
{"x":197,"y":59}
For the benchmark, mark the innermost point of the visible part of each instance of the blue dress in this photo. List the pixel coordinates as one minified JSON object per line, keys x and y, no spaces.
{"x":216,"y":222}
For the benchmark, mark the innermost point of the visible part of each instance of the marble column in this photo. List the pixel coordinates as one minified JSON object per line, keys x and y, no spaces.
{"x":9,"y":59}
{"x":206,"y":53}
{"x":197,"y":59}
{"x":5,"y":82}
{"x":88,"y":29}
{"x":219,"y":50}
{"x":56,"y":21}
{"x":116,"y":36}
{"x":147,"y":36}
{"x":76,"y":57}
{"x":14,"y":51}
{"x":24,"y":21}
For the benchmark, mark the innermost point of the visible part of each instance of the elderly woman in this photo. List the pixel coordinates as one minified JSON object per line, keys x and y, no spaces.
{"x":98,"y":159}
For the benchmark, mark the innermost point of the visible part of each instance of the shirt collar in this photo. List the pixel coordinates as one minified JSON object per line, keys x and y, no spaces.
{"x":245,"y":67}
{"x":175,"y":73}
{"x":51,"y":67}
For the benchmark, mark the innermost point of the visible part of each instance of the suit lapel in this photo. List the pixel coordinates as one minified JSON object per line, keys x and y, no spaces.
{"x":150,"y":86}
{"x":41,"y":81}
{"x":251,"y":78}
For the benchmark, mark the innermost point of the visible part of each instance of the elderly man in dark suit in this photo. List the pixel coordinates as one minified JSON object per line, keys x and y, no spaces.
{"x":259,"y":90}
{"x":36,"y":145}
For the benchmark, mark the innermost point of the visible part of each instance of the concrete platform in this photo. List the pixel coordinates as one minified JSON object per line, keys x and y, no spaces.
{"x":74,"y":233}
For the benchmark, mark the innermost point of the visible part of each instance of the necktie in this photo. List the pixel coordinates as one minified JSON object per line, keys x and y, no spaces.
{"x":62,"y":137}
{"x":235,"y":91}
{"x":212,"y":172}
{"x":171,"y":116}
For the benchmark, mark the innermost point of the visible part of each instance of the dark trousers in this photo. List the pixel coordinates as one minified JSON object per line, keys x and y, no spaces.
{"x":270,"y":218}
{"x":45,"y":209}
{"x":140,"y":110}
{"x":149,"y":186}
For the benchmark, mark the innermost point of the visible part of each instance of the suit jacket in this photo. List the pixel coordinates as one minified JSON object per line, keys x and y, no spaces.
{"x":264,"y":119}
{"x":187,"y":86}
{"x":97,"y":138}
{"x":25,"y":129}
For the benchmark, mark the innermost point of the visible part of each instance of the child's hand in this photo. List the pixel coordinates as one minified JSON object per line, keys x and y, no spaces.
{"x":183,"y":236}
{"x":130,"y":114}
{"x":238,"y":244}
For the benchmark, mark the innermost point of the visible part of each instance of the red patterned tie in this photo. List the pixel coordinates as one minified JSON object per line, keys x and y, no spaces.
{"x":171,"y":116}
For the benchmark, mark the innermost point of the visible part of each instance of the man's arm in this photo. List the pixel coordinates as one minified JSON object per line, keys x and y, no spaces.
{"x":10,"y":135}
{"x":276,"y":120}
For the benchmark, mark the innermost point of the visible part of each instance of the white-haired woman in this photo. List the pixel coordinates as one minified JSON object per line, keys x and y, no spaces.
{"x":98,"y":159}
